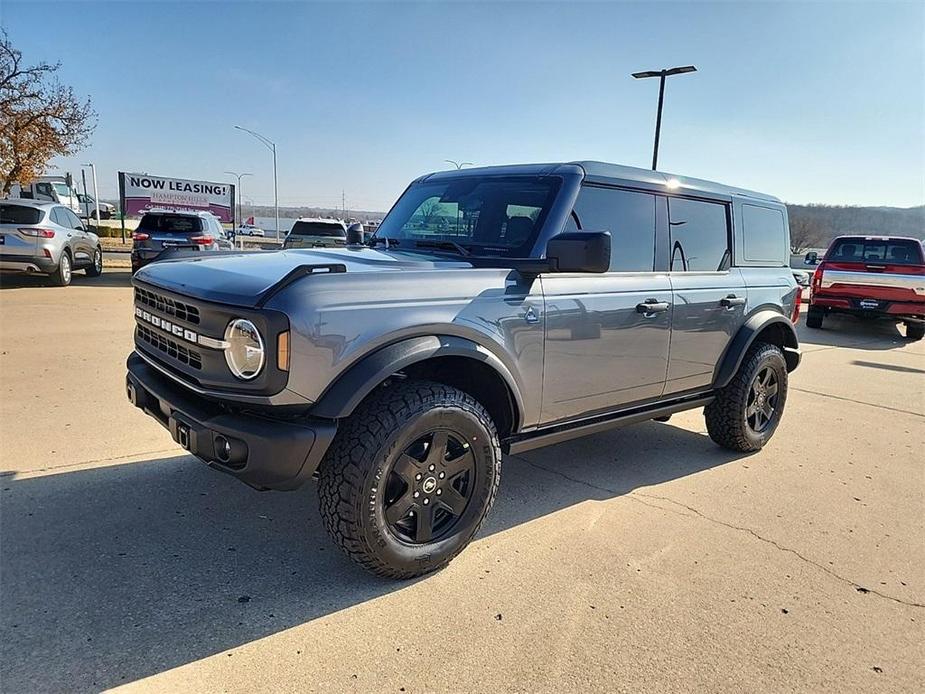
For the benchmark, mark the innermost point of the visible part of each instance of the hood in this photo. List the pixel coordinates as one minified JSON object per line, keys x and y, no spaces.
{"x":247,"y":278}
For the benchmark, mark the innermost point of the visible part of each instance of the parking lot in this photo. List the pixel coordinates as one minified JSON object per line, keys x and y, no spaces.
{"x":644,"y":558}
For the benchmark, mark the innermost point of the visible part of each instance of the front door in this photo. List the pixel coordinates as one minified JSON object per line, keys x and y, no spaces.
{"x":607,"y":335}
{"x":709,"y":296}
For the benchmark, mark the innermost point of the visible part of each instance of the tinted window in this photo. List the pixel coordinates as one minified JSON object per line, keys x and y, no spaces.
{"x":894,"y":251}
{"x":318,"y":229}
{"x":765,"y":237}
{"x":170,"y":223}
{"x":494,"y":215}
{"x":57,"y":216}
{"x":630,"y":219}
{"x":18,"y":214}
{"x":72,"y":221}
{"x":699,"y":235}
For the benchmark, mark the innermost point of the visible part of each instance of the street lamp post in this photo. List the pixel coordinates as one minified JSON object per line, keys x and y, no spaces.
{"x":240,"y":213}
{"x":661,"y":74}
{"x":272,"y":147}
{"x":458,"y":164}
{"x":96,"y":193}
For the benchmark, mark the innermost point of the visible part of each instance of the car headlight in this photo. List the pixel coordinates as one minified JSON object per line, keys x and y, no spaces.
{"x":244,"y":351}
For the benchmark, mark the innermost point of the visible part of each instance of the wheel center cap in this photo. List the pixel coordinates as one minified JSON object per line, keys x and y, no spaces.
{"x":429,"y":485}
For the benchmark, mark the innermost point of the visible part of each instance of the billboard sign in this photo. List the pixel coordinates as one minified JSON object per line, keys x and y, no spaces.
{"x":141,"y":192}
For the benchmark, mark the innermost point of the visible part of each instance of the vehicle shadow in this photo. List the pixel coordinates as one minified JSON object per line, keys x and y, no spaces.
{"x":855,"y":333}
{"x":111,"y":277}
{"x":117,"y":573}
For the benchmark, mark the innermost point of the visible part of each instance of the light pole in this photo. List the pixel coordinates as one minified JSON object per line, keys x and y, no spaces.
{"x":96,"y":193}
{"x":272,"y":147}
{"x":240,"y":213}
{"x":458,"y":164}
{"x":661,"y":74}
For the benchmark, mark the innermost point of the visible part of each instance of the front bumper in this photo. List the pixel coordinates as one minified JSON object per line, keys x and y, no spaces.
{"x":261,"y":451}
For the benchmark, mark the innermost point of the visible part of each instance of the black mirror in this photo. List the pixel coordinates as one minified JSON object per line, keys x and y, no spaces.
{"x":812,"y":258}
{"x":579,"y":251}
{"x":355,"y":235}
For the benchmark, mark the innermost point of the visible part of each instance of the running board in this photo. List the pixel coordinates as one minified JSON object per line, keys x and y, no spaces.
{"x":573,"y":430}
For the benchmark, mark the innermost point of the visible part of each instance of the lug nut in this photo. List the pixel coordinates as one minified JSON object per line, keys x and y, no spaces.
{"x":418,"y":476}
{"x":439,"y":492}
{"x":426,"y":501}
{"x":442,"y":475}
{"x":431,"y":468}
{"x":417,"y":494}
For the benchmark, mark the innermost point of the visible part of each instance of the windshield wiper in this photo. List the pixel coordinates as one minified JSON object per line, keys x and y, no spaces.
{"x":445,"y":245}
{"x":383,"y":240}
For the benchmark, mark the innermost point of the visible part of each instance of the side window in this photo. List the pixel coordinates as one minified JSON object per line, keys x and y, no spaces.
{"x":764,"y":235}
{"x":57,"y":216}
{"x":630,"y":219}
{"x":73,"y":222}
{"x":699,"y":236}
{"x":44,"y":191}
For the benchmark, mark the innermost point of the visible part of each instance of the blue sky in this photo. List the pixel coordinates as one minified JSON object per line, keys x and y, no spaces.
{"x":812,"y":102}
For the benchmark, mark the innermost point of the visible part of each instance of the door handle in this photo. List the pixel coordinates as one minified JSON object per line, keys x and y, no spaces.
{"x":650,"y":307}
{"x":732,"y":300}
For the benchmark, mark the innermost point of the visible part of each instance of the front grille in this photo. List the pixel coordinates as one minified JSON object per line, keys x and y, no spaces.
{"x":172,"y":307}
{"x":173,"y":349}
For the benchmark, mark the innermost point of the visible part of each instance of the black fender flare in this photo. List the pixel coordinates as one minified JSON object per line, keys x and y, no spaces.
{"x":352,"y":386}
{"x":754,"y":324}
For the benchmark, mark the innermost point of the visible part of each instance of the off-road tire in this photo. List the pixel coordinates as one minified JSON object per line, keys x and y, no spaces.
{"x":95,"y":269}
{"x":915,"y":331}
{"x":364,"y":450}
{"x":814,"y":317}
{"x":62,"y":275}
{"x":726,"y":416}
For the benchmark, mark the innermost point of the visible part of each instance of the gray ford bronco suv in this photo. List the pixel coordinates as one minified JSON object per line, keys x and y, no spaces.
{"x":495,"y":310}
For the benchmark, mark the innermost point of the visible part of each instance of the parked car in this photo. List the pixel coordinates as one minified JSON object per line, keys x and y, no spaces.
{"x":496,"y":310}
{"x":47,"y":239}
{"x":52,"y":188}
{"x":310,"y":232}
{"x":161,"y":234}
{"x":88,"y":207}
{"x":250,"y":230}
{"x":871,"y":277}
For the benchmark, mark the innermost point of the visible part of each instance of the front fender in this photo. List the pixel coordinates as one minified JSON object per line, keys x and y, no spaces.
{"x":349,"y":390}
{"x":783,"y":334}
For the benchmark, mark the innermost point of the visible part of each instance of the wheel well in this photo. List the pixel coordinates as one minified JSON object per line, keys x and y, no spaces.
{"x":780,"y":335}
{"x":475,"y":378}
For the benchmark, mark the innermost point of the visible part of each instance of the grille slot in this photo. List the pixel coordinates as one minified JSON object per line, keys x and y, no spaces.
{"x":171,"y":348}
{"x":172,"y":307}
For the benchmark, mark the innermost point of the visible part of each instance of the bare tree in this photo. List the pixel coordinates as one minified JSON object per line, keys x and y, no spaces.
{"x":39,"y":117}
{"x":805,"y":233}
{"x":430,"y":210}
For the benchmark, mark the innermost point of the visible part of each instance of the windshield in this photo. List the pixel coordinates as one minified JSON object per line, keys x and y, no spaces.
{"x":894,"y":251}
{"x":318,"y":229}
{"x":492,"y":214}
{"x":62,"y":189}
{"x":170,"y":223}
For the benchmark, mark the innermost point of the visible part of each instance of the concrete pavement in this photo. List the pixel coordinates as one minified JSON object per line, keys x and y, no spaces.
{"x":645,"y":559}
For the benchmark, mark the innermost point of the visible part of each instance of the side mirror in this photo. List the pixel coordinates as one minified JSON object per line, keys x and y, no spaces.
{"x":812,"y":258}
{"x":355,"y":235}
{"x":579,"y":251}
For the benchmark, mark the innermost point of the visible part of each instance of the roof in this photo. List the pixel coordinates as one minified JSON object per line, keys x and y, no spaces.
{"x":28,"y":202}
{"x":604,"y":172}
{"x":322,"y":220}
{"x":189,"y":213}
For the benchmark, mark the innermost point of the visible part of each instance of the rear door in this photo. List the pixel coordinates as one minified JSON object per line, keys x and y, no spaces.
{"x":81,"y":241}
{"x":871,"y":273}
{"x":607,"y":334}
{"x":709,"y":296}
{"x":13,"y":241}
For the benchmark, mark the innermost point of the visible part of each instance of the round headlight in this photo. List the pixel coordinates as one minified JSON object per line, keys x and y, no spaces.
{"x":244,"y":353}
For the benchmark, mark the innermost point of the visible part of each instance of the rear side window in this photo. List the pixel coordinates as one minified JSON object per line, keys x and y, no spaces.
{"x":18,"y":214}
{"x":765,"y":236}
{"x":699,"y":235}
{"x":57,"y":216}
{"x":630,"y":219}
{"x":317,"y":229}
{"x":887,"y":251}
{"x":170,"y":223}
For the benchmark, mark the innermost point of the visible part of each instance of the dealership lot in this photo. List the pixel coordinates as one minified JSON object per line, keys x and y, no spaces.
{"x":645,"y":558}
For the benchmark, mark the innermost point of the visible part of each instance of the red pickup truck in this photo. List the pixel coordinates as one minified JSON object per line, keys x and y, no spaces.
{"x":874,"y":277}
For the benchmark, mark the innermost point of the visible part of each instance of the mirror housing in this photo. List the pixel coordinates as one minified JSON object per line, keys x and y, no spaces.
{"x":811,"y":258}
{"x":582,"y":251}
{"x":355,"y":235}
